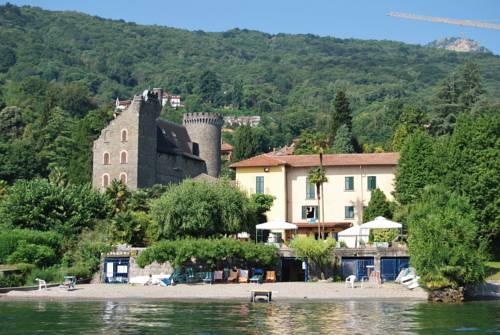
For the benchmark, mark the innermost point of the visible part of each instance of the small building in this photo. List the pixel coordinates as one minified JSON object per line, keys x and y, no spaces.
{"x":237,"y":121}
{"x":226,"y":151}
{"x":351,"y":178}
{"x":122,"y":104}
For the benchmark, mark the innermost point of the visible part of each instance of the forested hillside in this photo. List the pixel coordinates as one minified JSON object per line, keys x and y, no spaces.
{"x":62,"y":71}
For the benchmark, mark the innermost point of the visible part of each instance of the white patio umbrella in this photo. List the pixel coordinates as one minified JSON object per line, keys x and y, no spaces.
{"x":381,"y":223}
{"x":352,"y":236}
{"x":275,"y":225}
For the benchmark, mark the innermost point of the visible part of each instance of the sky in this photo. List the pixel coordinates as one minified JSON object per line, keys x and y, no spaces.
{"x":363,"y":19}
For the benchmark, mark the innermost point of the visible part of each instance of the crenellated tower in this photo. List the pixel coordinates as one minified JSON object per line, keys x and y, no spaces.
{"x":204,"y":129}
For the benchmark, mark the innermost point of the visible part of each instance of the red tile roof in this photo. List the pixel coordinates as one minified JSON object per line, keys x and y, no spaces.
{"x":226,"y":147}
{"x":387,"y":158}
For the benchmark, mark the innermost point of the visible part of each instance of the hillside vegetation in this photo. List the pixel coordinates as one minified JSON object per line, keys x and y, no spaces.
{"x":62,"y":70}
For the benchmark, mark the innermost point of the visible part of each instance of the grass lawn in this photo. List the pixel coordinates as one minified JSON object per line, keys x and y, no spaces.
{"x":492,"y":270}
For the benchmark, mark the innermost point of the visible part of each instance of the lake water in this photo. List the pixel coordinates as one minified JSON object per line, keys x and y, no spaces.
{"x":161,"y":317}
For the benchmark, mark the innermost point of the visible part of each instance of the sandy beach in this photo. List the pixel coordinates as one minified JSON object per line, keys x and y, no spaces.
{"x":281,"y":291}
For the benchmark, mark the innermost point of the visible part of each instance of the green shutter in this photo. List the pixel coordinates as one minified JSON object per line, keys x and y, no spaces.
{"x":372,"y":183}
{"x":349,"y":183}
{"x":259,"y":185}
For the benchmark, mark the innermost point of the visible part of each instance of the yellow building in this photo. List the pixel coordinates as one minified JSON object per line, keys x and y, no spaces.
{"x":351,"y":178}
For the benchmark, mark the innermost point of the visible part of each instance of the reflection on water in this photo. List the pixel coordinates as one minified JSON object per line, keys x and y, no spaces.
{"x":341,"y":317}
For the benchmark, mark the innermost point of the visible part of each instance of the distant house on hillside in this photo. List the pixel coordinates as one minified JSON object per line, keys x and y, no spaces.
{"x":173,"y":100}
{"x":237,"y":121}
{"x":122,"y":104}
{"x":226,"y":151}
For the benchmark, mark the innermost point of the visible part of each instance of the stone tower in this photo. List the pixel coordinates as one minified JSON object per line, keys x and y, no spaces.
{"x":204,"y":129}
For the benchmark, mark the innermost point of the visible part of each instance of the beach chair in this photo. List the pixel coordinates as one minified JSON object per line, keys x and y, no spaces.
{"x":258,"y":276}
{"x":178,"y":277}
{"x":225,"y":274}
{"x":233,"y":276}
{"x":69,"y":282}
{"x":41,"y":284}
{"x":349,"y":281}
{"x":218,"y":276}
{"x":243,"y":277}
{"x":270,"y":276}
{"x":191,"y":276}
{"x":208,"y":277}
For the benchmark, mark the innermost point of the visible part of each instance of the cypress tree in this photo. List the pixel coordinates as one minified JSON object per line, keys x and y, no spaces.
{"x":416,"y":167}
{"x":378,"y":206}
{"x":341,"y":114}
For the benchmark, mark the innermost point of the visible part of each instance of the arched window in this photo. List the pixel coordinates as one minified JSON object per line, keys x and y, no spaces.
{"x":124,"y":135}
{"x":105,"y":180}
{"x":123,"y":157}
{"x":123,"y":178}
{"x":106,"y":158}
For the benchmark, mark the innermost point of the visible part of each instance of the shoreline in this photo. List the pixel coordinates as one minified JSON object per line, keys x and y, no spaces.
{"x":292,"y":292}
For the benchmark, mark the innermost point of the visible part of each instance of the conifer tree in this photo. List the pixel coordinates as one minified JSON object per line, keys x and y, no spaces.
{"x":341,"y":114}
{"x":342,"y":144}
{"x":416,"y":167}
{"x":246,"y":143}
{"x":378,"y":206}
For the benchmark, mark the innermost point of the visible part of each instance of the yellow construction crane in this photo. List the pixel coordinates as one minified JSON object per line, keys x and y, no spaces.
{"x":468,"y":23}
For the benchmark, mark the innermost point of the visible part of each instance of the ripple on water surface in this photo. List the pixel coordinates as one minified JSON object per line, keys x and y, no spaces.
{"x":342,"y":317}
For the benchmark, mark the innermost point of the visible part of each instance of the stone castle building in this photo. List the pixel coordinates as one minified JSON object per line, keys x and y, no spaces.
{"x":140,"y":149}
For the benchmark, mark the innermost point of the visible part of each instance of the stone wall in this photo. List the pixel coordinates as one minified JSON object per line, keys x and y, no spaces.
{"x":174,"y":168}
{"x":110,"y":141}
{"x":153,"y":269}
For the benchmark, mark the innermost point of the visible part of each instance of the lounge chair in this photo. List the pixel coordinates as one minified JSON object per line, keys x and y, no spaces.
{"x":349,"y":281}
{"x":218,"y":276}
{"x":270,"y":276}
{"x":178,"y":277}
{"x":258,"y":276}
{"x":208,"y":278}
{"x":243,"y":277}
{"x":233,"y":276}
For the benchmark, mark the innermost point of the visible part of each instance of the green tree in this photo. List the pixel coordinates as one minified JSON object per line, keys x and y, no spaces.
{"x":411,"y":119}
{"x":246,"y":143}
{"x":11,"y":124}
{"x":262,"y":204}
{"x":311,"y":143}
{"x":37,"y":204}
{"x":445,"y":247}
{"x":318,"y":252}
{"x":378,"y":206}
{"x":416,"y":167}
{"x":119,"y":195}
{"x":202,"y":209}
{"x":342,"y":144}
{"x":473,"y":162}
{"x":209,"y":87}
{"x":341,"y":114}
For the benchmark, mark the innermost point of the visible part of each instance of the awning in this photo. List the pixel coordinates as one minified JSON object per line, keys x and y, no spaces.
{"x":276,"y":225}
{"x":381,"y":223}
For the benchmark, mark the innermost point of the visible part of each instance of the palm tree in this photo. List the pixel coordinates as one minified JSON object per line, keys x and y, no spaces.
{"x":317,"y":176}
{"x":118,"y":195}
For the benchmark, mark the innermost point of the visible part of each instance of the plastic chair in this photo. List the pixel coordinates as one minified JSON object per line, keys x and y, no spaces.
{"x":349,"y":281}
